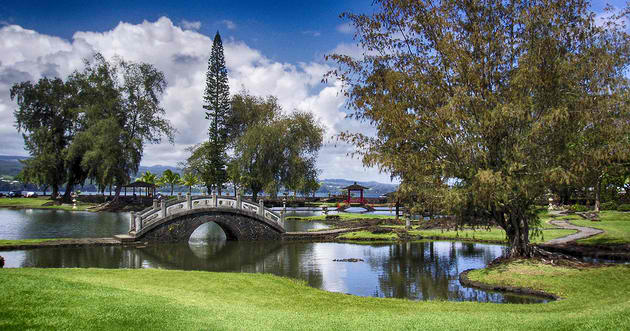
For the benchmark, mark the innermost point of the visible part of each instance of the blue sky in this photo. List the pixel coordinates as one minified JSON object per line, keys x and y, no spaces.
{"x":290,"y":31}
{"x":271,"y":47}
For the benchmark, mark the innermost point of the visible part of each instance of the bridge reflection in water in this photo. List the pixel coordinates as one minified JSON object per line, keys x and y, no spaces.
{"x":417,"y":271}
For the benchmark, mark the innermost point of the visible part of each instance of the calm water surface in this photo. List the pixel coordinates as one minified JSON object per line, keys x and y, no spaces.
{"x":417,"y":271}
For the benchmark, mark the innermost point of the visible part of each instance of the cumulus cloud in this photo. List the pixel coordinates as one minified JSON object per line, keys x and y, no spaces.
{"x":345,"y":28}
{"x":182,"y":54}
{"x":228,"y":24}
{"x":188,"y":25}
{"x":312,"y":33}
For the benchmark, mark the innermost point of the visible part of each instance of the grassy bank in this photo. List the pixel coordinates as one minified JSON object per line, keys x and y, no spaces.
{"x":38,"y":203}
{"x":26,"y":242}
{"x":483,"y":235}
{"x":615,"y":224}
{"x":100,"y":299}
{"x":342,"y":217}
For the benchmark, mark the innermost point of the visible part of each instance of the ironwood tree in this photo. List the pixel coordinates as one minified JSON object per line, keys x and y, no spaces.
{"x":479,"y":105}
{"x":121,"y":113}
{"x":217,"y":105}
{"x":46,"y":116}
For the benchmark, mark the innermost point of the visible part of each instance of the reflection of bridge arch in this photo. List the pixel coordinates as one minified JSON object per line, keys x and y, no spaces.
{"x":175,"y":221}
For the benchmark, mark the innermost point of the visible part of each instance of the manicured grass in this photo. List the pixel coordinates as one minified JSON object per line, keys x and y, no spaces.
{"x":615,"y":224}
{"x":25,"y":242}
{"x":343,"y":217}
{"x":37,"y":203}
{"x":366,"y":235}
{"x":150,"y":299}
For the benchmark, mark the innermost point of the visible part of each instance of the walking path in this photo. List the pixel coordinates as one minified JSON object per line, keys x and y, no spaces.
{"x":583,"y":231}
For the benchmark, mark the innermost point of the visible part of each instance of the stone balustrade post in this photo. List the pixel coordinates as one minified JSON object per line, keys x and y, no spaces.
{"x":214,"y":200}
{"x":156,"y":204}
{"x":261,"y":208}
{"x":179,"y":195}
{"x":188,"y":201}
{"x":239,"y":203}
{"x":138,"y":222}
{"x":163,"y":208}
{"x":132,"y":221}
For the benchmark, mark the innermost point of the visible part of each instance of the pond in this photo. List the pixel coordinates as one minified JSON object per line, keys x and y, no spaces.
{"x":413,"y":270}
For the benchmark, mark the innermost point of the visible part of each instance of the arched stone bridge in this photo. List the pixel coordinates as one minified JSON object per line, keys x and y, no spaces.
{"x":176,"y":220}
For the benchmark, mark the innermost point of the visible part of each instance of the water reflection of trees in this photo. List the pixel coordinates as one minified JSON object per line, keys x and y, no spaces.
{"x":430,"y":270}
{"x":225,"y":256}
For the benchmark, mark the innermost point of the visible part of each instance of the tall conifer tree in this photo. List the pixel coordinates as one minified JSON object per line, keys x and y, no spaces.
{"x":217,"y":105}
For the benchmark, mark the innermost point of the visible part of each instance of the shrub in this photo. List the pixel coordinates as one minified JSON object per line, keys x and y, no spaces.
{"x":578,"y":208}
{"x":611,"y":205}
{"x":624,"y":207}
{"x":1,"y":262}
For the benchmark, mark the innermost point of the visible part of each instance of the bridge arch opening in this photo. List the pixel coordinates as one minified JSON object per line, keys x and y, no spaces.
{"x":211,"y":232}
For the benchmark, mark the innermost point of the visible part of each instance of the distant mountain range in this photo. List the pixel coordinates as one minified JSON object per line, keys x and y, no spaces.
{"x":10,"y":166}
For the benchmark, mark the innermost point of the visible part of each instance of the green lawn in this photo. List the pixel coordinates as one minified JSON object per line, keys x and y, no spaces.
{"x":150,"y":299}
{"x":617,"y":227}
{"x":37,"y":203}
{"x":366,"y":235}
{"x":25,"y":242}
{"x":492,"y":235}
{"x":343,"y":216}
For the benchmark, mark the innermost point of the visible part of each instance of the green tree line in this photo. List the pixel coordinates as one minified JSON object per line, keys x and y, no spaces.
{"x":94,"y":125}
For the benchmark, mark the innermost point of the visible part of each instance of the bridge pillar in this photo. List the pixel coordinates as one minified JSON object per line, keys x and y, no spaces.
{"x":163,"y":208}
{"x":179,"y":195}
{"x":132,"y":221}
{"x":214,"y":200}
{"x":239,"y":203}
{"x":138,"y":222}
{"x":188,"y":201}
{"x":261,"y":208}
{"x":156,"y":204}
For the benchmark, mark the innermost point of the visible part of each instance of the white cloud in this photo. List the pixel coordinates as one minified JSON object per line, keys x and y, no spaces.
{"x":312,"y":33}
{"x":345,"y":28}
{"x":188,"y":25}
{"x":182,"y":55}
{"x":228,"y":24}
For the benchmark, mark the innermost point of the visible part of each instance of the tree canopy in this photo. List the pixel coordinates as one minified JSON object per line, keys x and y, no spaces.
{"x":95,"y":125}
{"x":272,"y":149}
{"x":479,"y":105}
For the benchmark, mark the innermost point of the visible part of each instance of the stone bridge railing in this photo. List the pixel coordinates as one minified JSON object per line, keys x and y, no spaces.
{"x":164,"y":208}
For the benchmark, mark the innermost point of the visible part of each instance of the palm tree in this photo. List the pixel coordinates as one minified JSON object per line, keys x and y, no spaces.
{"x":170,"y":178}
{"x":148,"y":177}
{"x":189,"y":180}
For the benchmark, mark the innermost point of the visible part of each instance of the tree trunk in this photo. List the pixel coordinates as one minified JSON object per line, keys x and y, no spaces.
{"x":254,"y":195}
{"x":598,"y":190}
{"x":172,"y":189}
{"x":518,"y":238}
{"x":55,"y":191}
{"x":66,"y":195}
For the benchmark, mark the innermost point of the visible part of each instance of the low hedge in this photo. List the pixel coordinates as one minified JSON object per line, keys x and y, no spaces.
{"x":611,"y":205}
{"x":624,"y":207}
{"x":578,"y":208}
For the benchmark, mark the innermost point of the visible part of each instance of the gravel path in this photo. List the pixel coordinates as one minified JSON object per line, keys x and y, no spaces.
{"x":583,"y":231}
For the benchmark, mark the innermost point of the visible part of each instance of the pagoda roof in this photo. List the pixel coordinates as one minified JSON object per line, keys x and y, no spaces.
{"x":140,"y":184}
{"x":356,"y":186}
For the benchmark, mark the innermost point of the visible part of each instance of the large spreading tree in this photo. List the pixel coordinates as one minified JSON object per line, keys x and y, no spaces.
{"x":479,"y":105}
{"x":217,"y":105}
{"x":94,"y":125}
{"x":46,"y":116}
{"x":272,"y":149}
